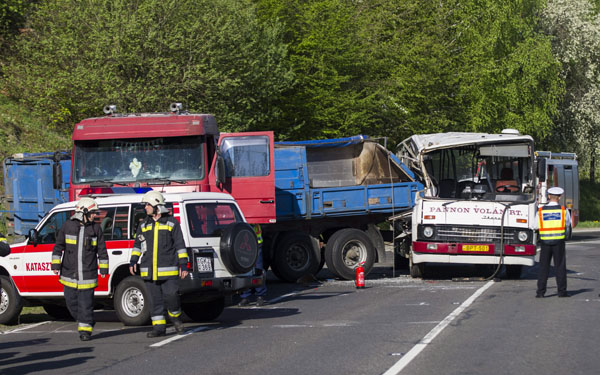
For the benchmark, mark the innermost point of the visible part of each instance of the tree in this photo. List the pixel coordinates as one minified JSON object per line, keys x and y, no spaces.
{"x":212,"y":55}
{"x":575,"y":28}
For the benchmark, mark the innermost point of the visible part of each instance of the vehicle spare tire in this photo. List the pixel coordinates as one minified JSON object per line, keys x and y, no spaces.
{"x":239,"y":248}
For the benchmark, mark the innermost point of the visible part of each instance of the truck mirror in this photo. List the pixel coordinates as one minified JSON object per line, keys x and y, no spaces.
{"x":541,"y":169}
{"x":56,"y":176}
{"x":220,"y":170}
{"x":33,"y":236}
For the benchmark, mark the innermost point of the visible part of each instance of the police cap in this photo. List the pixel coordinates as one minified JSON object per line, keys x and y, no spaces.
{"x":556,"y":191}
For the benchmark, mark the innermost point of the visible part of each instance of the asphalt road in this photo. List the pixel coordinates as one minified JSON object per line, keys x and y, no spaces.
{"x":394,"y":325}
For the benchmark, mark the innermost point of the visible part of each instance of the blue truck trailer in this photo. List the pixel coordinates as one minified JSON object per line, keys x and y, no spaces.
{"x":33,"y":184}
{"x":330,"y":197}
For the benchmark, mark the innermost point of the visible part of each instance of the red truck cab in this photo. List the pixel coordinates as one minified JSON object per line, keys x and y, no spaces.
{"x":173,"y":152}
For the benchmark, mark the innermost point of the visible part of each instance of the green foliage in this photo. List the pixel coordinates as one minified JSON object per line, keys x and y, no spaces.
{"x":21,"y":131}
{"x":214,"y":56}
{"x":589,"y":202}
{"x":398,"y":68}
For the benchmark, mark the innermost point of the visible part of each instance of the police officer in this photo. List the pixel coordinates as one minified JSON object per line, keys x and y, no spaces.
{"x":160,"y":239}
{"x":261,"y":291}
{"x":554,"y":221}
{"x":80,"y":244}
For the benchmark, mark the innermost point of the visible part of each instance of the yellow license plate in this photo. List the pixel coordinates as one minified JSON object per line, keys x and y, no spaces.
{"x":476,"y":248}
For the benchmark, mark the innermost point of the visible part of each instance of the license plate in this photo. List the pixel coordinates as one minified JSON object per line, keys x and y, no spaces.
{"x":476,"y":248}
{"x":204,"y":264}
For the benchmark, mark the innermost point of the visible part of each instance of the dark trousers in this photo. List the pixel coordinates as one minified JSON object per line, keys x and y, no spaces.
{"x":80,"y":303}
{"x":556,"y":252}
{"x":164,"y":293}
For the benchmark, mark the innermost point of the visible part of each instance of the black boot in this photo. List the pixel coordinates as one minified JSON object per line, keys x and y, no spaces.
{"x":178,"y":324}
{"x":85,"y":336}
{"x":156,"y":333}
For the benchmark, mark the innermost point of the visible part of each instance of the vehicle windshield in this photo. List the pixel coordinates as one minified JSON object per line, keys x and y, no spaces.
{"x":502,"y":172}
{"x":140,"y":159}
{"x":209,"y":219}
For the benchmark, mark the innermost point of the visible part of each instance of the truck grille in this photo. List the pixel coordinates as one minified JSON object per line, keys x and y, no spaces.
{"x":470,"y":234}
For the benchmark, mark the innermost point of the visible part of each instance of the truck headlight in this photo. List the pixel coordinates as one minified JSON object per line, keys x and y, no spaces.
{"x":522,"y":235}
{"x":428,"y":232}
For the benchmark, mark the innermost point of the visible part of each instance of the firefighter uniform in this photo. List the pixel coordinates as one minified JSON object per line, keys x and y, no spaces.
{"x":4,"y":246}
{"x":161,"y":246}
{"x":553,"y":221}
{"x":261,"y":291}
{"x":78,"y":253}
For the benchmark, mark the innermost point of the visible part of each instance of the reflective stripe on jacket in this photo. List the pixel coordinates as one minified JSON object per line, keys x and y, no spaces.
{"x":552,"y":223}
{"x":79,"y":252}
{"x":258,"y":231}
{"x":161,"y":246}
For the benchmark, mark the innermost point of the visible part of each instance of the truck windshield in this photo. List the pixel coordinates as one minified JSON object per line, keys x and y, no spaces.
{"x":490,"y":172}
{"x":139,"y":159}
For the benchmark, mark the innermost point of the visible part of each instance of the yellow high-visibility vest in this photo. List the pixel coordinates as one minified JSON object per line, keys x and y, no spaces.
{"x":552,"y":223}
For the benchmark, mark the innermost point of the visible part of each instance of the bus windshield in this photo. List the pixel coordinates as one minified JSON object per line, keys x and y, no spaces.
{"x":491,"y":172}
{"x":140,"y":159}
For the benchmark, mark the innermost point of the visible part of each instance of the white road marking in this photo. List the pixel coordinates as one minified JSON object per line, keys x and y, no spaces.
{"x":24,"y":328}
{"x":414,"y":352}
{"x":284,"y":296}
{"x":177,"y":337}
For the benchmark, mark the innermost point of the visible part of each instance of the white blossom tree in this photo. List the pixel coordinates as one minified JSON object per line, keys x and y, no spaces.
{"x":575,"y":27}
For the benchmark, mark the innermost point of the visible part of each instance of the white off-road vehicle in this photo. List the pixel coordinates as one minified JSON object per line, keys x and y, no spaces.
{"x":222,"y":249}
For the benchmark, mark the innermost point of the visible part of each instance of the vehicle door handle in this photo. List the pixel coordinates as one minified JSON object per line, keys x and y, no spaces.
{"x":117,"y":252}
{"x":269,"y":201}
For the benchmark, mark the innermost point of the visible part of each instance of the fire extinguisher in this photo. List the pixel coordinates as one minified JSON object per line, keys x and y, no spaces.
{"x":360,"y":276}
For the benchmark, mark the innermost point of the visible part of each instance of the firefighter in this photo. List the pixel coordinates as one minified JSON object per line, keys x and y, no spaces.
{"x":261,"y":291}
{"x":554,"y":221}
{"x":4,"y":246}
{"x":80,"y":244}
{"x":159,"y":241}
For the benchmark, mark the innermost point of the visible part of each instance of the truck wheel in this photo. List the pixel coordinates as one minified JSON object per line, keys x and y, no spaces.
{"x":513,"y":271}
{"x":10,"y":302}
{"x":417,"y":271}
{"x":239,"y":249}
{"x":132,"y":302}
{"x":297,"y":255}
{"x":58,"y":312}
{"x":204,"y":311}
{"x":346,"y":249}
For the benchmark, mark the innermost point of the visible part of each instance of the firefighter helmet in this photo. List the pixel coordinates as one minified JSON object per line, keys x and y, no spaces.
{"x":154,"y":198}
{"x":86,"y":205}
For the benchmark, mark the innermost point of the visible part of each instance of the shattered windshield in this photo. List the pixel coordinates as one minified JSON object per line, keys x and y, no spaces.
{"x":140,"y":159}
{"x":489,"y":172}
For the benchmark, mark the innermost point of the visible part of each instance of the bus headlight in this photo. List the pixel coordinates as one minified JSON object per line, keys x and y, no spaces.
{"x":522,"y":235}
{"x":428,"y":232}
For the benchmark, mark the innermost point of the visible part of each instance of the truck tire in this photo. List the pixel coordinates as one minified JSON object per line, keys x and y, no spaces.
{"x":239,"y":248}
{"x":132,"y":302}
{"x":513,"y":271}
{"x":58,"y":312}
{"x":204,"y":311}
{"x":10,"y":302}
{"x":346,"y":249}
{"x":297,"y":255}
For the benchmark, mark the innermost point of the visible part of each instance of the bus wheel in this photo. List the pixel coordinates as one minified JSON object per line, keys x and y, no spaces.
{"x":417,"y":271}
